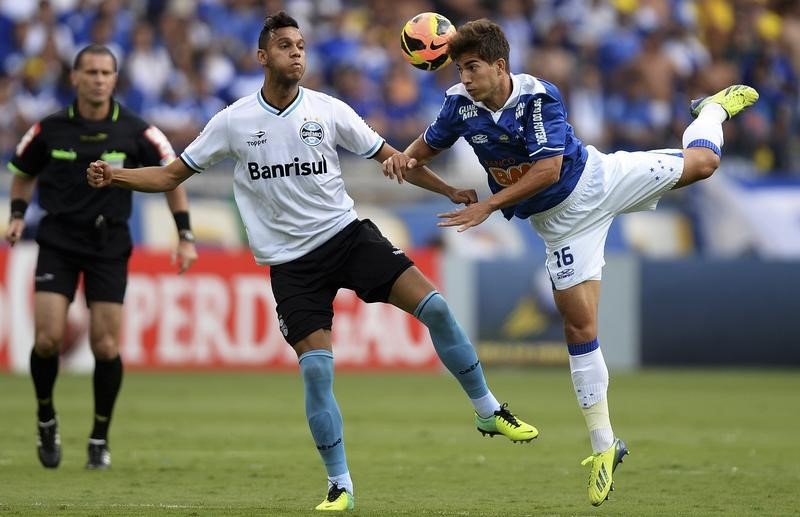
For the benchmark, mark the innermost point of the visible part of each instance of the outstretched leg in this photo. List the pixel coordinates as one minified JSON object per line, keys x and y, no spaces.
{"x":413,"y":293}
{"x":703,"y":139}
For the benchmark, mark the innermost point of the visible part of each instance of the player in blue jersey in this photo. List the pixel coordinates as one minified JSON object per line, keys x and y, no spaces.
{"x":539,"y":170}
{"x":300,"y":221}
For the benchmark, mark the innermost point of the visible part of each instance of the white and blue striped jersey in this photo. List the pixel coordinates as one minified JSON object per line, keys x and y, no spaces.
{"x":287,"y":180}
{"x":532,"y":125}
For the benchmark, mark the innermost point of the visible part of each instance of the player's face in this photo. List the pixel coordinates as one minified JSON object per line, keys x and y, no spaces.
{"x":285,"y":55}
{"x":94,"y":79}
{"x":481,"y":79}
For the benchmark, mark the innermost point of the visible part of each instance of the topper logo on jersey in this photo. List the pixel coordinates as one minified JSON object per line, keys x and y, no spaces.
{"x":538,"y":126}
{"x":468,"y":111}
{"x":260,"y":138}
{"x":311,"y":133}
{"x":285,"y":170}
{"x":510,"y":175}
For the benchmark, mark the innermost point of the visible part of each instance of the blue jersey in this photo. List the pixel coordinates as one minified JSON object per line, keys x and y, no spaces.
{"x":531,"y":126}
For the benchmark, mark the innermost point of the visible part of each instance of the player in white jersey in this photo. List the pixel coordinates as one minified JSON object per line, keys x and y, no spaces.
{"x":538,"y":169}
{"x":289,"y":190}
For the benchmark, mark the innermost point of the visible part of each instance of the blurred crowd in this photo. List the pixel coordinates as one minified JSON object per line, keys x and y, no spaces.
{"x":625,"y":67}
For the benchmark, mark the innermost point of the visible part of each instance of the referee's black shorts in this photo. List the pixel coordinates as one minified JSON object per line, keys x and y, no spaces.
{"x":105,"y":278}
{"x":359,"y":258}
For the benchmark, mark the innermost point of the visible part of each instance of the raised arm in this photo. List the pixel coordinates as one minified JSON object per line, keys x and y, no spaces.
{"x":100,"y":174}
{"x":410,"y":166}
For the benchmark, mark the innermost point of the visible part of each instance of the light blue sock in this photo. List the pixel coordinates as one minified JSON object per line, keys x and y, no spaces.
{"x":324,"y":417}
{"x":452,"y":345}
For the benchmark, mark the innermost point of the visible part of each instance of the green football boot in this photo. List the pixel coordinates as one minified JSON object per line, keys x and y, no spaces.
{"x":733,"y":99}
{"x":505,"y":423}
{"x":603,"y":465}
{"x":338,"y":500}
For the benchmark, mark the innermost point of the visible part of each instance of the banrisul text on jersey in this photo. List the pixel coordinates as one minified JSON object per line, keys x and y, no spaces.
{"x":286,"y":170}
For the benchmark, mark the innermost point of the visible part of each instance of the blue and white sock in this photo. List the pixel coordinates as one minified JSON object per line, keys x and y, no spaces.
{"x":590,"y":380}
{"x":324,"y":416}
{"x":456,"y":351}
{"x":706,"y":129}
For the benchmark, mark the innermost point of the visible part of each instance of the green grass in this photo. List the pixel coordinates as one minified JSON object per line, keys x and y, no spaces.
{"x":702,"y":443}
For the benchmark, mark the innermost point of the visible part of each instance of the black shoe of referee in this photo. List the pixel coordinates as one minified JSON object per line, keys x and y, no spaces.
{"x":48,"y":443}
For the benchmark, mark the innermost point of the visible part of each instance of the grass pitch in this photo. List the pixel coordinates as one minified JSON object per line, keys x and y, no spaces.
{"x":702,"y":443}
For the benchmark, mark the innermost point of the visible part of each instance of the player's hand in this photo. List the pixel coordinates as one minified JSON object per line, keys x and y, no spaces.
{"x":463,"y":196}
{"x":472,"y":215}
{"x":185,"y":255}
{"x":15,"y":229}
{"x":99,"y":174}
{"x":396,"y":166}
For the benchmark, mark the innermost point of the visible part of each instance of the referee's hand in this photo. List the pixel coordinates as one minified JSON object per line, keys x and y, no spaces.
{"x":14,"y":230}
{"x":98,"y":174}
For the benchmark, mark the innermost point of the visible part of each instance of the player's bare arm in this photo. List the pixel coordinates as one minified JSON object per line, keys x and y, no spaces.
{"x":416,"y":155}
{"x":400,"y":166}
{"x":541,"y":175}
{"x":21,"y":190}
{"x":100,"y":174}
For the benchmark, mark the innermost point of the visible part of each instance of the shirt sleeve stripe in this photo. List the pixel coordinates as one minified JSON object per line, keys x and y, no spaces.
{"x":546,"y":149}
{"x":190,"y":163}
{"x":425,"y":139}
{"x":17,"y":171}
{"x":374,"y":149}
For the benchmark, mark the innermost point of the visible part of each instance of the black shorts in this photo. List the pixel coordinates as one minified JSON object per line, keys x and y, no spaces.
{"x":105,"y":279}
{"x":358,"y":258}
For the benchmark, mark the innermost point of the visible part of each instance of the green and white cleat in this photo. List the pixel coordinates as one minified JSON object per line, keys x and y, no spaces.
{"x":505,"y":423}
{"x":733,"y":99}
{"x":603,"y":465}
{"x":338,"y":500}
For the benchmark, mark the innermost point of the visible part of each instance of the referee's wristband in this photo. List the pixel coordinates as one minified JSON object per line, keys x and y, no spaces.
{"x":182,"y":221}
{"x":18,"y":208}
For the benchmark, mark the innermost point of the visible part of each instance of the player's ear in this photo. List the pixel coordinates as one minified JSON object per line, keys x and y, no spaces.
{"x":261,"y":54}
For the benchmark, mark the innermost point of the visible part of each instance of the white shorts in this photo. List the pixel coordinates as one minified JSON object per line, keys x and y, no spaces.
{"x":575,"y":230}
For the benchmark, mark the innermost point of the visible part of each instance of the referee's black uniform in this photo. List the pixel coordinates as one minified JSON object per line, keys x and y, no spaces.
{"x":85,"y":229}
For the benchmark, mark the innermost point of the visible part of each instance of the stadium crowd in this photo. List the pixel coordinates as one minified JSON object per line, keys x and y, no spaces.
{"x":625,"y":67}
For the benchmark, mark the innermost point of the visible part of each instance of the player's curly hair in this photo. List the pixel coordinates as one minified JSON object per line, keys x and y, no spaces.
{"x":272,"y":23}
{"x":483,"y":37}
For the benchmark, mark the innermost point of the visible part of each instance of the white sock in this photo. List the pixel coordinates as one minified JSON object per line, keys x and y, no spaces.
{"x":343,"y":481}
{"x":597,"y":420}
{"x":590,"y":380}
{"x":707,"y":126}
{"x":486,"y":405}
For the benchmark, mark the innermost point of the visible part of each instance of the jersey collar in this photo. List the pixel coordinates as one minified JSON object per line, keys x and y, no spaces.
{"x":113,"y":113}
{"x":280,"y":112}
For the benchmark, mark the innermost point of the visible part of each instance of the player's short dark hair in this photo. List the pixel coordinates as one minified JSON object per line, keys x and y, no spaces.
{"x":483,"y":37}
{"x":273,"y":23}
{"x":94,"y":48}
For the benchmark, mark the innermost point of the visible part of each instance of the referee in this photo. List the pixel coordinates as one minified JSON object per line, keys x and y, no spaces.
{"x":85,"y":232}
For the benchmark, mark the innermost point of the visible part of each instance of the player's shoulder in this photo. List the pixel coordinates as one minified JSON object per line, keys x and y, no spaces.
{"x":128,"y":117}
{"x":533,"y":87}
{"x":60,"y":116}
{"x":321,"y":99}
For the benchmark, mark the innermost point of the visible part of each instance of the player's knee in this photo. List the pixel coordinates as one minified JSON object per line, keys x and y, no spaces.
{"x":105,"y":348}
{"x":434,"y":310}
{"x":703,"y":165}
{"x":580,"y":331}
{"x":46,"y":344}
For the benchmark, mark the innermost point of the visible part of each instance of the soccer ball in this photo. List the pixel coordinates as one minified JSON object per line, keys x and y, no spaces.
{"x":424,"y":41}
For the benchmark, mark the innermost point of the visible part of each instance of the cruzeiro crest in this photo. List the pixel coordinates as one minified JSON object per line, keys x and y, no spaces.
{"x":312,"y":133}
